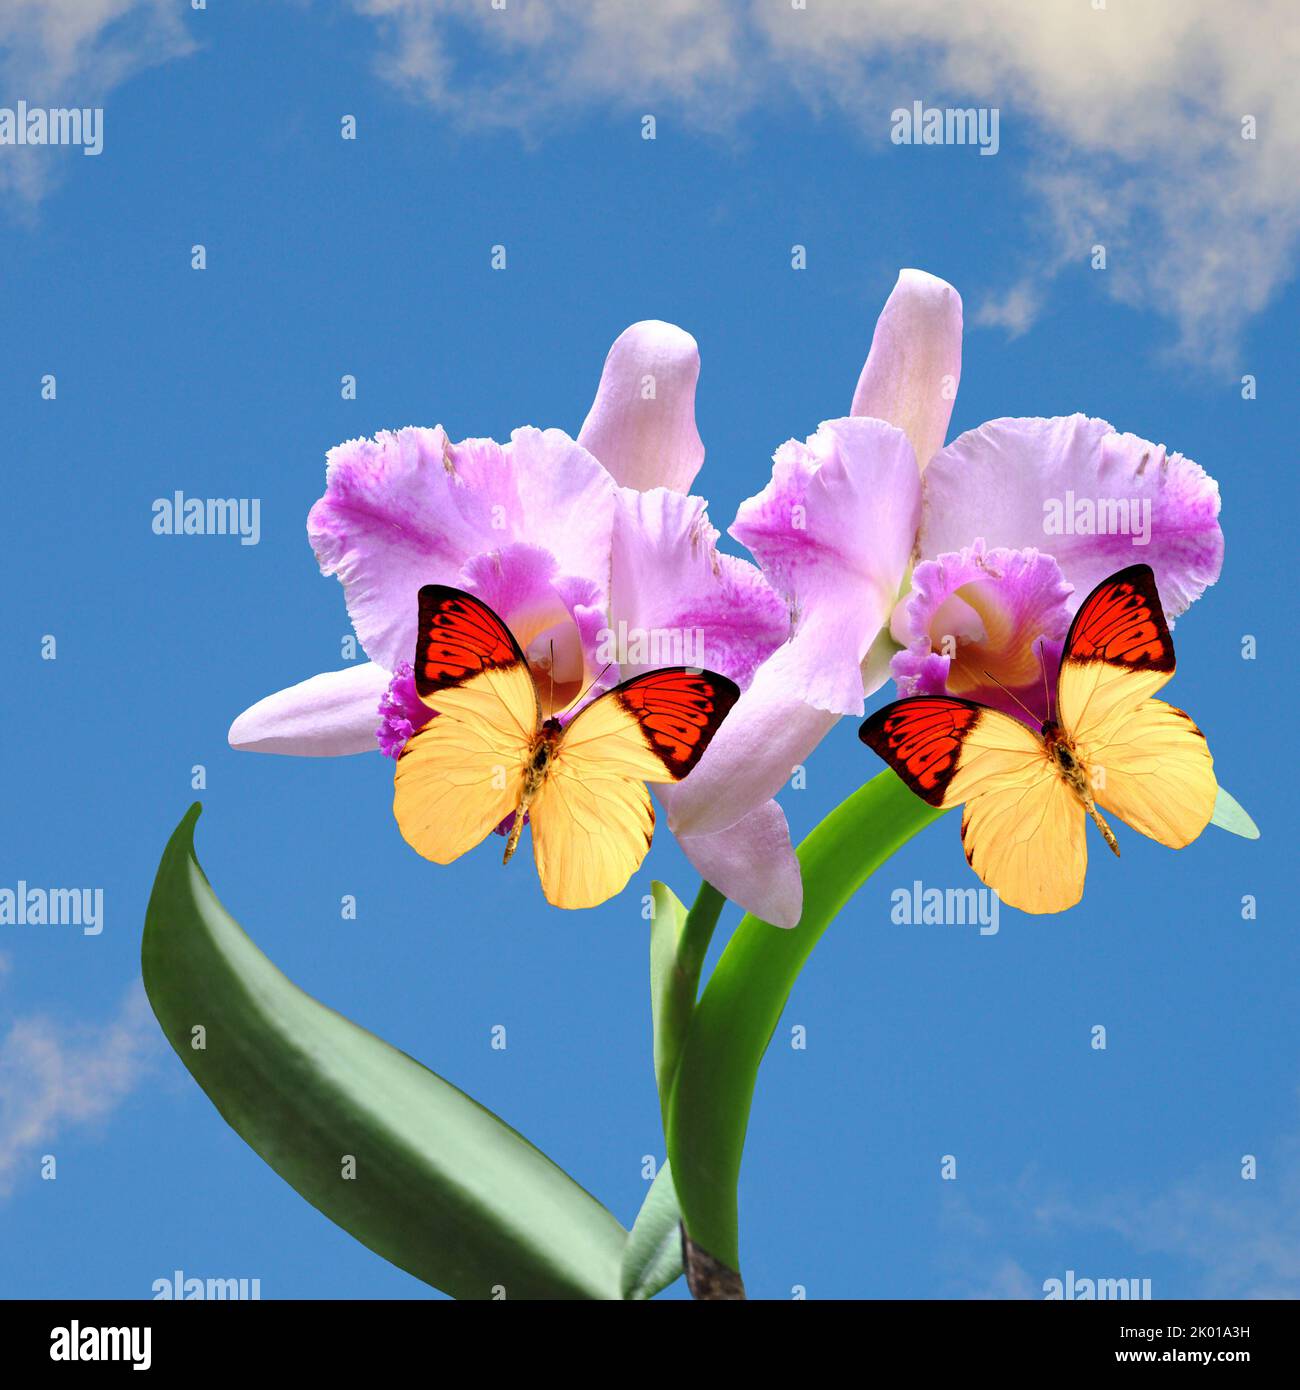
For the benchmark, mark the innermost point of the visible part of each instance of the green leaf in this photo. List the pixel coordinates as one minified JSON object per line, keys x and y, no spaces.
{"x":442,"y":1187}
{"x":678,"y":942}
{"x":653,"y":1257}
{"x":1230,"y":815}
{"x":736,"y":1016}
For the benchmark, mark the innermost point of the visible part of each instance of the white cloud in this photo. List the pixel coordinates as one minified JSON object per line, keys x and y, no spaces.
{"x":1236,"y":1238}
{"x":74,"y":53}
{"x":1241,"y":1237}
{"x":1015,"y":310}
{"x":1128,"y":117}
{"x":562,"y":53}
{"x":55,"y":1077}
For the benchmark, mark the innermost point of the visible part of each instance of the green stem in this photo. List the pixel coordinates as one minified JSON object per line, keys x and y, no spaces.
{"x":742,"y":1004}
{"x":673,"y":1008}
{"x":701,"y":921}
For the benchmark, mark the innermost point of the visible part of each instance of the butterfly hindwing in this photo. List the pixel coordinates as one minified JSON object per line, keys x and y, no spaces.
{"x":1155,"y":772}
{"x":457,"y":779}
{"x":1023,"y":833}
{"x":462,"y":774}
{"x":591,"y":830}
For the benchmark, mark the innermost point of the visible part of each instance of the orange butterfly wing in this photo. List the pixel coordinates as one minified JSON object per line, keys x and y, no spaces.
{"x":1123,"y":621}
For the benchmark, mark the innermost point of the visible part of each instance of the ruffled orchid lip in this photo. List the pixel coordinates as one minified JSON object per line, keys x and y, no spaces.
{"x":1095,"y":499}
{"x":402,"y":713}
{"x":986,"y":625}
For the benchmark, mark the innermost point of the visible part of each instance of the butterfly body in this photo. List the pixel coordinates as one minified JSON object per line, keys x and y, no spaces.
{"x":540,"y":758}
{"x":489,"y":752}
{"x":1061,"y":751}
{"x":1025,"y":792}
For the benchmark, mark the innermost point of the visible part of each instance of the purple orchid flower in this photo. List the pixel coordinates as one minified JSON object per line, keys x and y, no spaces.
{"x":1000,"y":526}
{"x":1022,"y":520}
{"x":590,"y":549}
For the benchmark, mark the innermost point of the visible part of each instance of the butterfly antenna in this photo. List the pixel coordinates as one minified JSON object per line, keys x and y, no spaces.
{"x":1003,"y":688}
{"x":1047,"y":690}
{"x":552,"y":669}
{"x":594,"y":679}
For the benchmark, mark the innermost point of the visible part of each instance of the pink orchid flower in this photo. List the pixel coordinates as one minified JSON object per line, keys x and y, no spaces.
{"x":1001,"y":527}
{"x":593,"y":552}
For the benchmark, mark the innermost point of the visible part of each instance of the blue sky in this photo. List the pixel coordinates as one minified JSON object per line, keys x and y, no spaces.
{"x":371,"y":257}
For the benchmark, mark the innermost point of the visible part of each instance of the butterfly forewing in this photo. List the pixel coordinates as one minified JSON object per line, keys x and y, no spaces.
{"x":462,"y":774}
{"x":461,"y":641}
{"x":655,"y":727}
{"x":1117,"y":653}
{"x":944,"y":748}
{"x":1146,"y":760}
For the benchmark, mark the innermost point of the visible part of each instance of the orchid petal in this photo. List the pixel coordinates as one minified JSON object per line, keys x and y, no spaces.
{"x":911,"y":374}
{"x":641,"y":425}
{"x":675,"y":600}
{"x":409,"y":509}
{"x":753,"y":864}
{"x":1051,"y":484}
{"x":876,"y":664}
{"x":973,"y":623}
{"x":331,"y":714}
{"x":833,"y":531}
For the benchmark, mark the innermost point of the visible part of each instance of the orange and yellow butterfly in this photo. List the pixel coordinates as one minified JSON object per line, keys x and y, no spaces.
{"x":1027,"y":794}
{"x":489,"y":752}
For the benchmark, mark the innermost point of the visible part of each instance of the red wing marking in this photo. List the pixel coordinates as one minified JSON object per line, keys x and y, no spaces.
{"x":679,"y":711}
{"x":1122,"y":623}
{"x":459,"y":636}
{"x":921,"y":739}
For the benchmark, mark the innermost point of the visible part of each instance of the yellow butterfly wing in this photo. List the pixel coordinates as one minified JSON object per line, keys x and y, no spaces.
{"x":462,"y":774}
{"x":1022,"y":827}
{"x":1155,"y":772}
{"x":1147,"y":760}
{"x":592,"y":821}
{"x":590,"y":833}
{"x":1024,"y":836}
